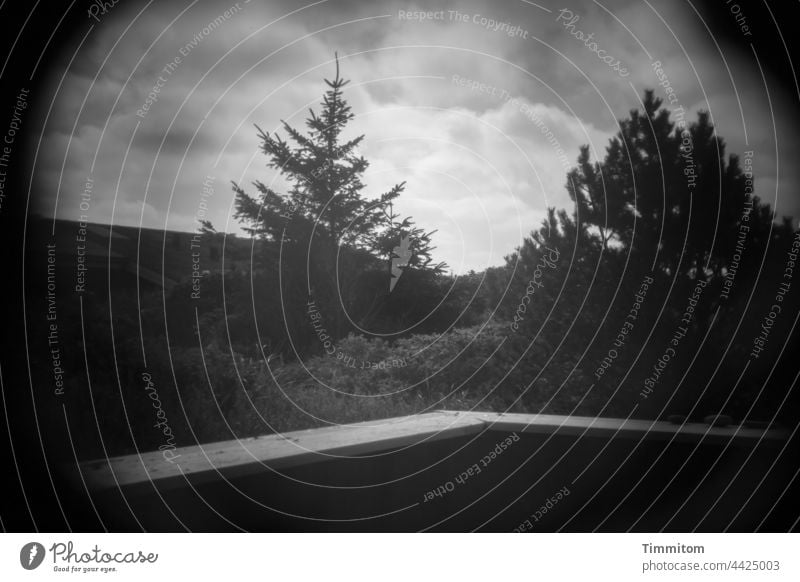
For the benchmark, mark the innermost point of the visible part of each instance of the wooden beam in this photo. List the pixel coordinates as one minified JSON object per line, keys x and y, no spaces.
{"x":275,"y":451}
{"x":249,"y":456}
{"x":622,"y":428}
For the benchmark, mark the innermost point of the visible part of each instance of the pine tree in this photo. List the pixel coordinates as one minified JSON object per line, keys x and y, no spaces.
{"x":665,"y":191}
{"x":328,"y":228}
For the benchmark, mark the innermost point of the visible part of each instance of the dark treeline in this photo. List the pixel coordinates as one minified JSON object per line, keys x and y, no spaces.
{"x":654,"y":295}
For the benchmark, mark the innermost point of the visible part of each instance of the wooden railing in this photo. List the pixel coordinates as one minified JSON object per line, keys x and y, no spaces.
{"x":233,"y":459}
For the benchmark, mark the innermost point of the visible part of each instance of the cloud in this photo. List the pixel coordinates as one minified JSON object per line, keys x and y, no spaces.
{"x":478,"y":167}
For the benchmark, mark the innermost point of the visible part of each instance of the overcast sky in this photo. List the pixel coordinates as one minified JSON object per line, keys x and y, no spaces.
{"x":477,"y":168}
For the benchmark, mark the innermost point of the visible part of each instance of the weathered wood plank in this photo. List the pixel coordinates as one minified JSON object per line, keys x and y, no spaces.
{"x":276,"y":451}
{"x":622,"y":428}
{"x":252,"y":455}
